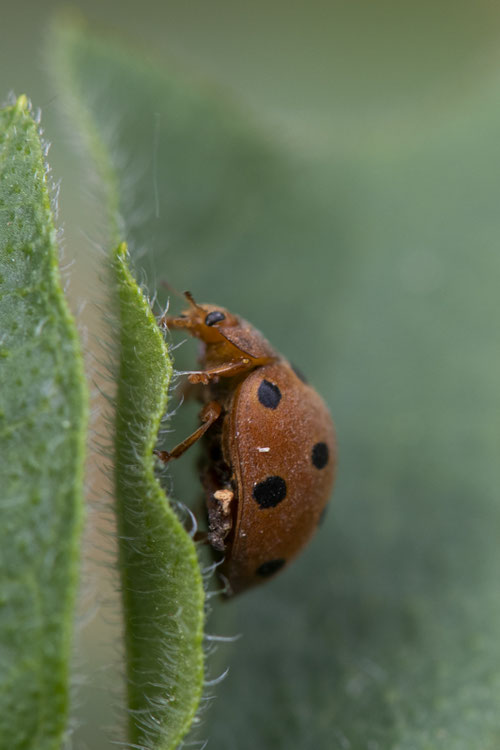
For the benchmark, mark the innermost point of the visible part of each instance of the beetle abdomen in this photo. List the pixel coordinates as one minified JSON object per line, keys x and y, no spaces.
{"x":281,"y":441}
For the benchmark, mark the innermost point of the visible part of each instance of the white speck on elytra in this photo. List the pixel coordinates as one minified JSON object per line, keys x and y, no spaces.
{"x":263,"y":450}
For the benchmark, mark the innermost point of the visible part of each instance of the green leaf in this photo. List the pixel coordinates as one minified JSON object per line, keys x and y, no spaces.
{"x":162,"y":587}
{"x":42,"y":434}
{"x":374,"y":266}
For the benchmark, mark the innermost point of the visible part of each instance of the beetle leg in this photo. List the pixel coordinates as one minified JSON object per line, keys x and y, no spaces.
{"x":176,"y":321}
{"x":225,"y":370}
{"x":209,"y":414}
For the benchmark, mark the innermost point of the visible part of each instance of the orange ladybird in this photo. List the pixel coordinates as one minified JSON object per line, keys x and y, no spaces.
{"x":270,"y":449}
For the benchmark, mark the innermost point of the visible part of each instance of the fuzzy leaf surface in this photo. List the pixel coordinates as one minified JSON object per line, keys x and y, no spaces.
{"x":161,"y":581}
{"x":42,"y":438}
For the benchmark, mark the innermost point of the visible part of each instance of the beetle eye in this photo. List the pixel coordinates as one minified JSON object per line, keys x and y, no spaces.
{"x":214,"y":317}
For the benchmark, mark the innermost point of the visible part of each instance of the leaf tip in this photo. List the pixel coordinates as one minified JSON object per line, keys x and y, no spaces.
{"x":22,"y":103}
{"x":121,"y":251}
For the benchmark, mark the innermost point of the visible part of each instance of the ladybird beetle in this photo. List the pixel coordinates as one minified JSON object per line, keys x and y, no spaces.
{"x":270,"y":450}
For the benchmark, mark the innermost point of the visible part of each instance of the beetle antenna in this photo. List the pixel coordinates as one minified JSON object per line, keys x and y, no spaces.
{"x":170,"y":288}
{"x":193,"y":302}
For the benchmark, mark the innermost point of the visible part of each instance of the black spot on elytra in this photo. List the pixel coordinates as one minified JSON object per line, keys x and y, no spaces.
{"x":270,"y":492}
{"x":270,"y":567}
{"x":320,"y":455}
{"x":300,"y":374}
{"x":214,"y":317}
{"x":269,"y":394}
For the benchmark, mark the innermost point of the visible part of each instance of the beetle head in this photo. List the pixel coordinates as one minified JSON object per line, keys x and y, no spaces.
{"x":202,"y":321}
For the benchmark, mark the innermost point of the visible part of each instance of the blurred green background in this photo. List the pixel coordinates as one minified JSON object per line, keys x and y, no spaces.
{"x":360,"y":231}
